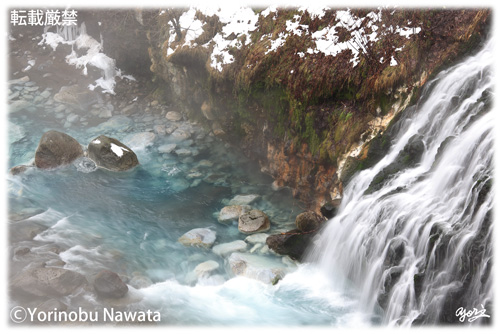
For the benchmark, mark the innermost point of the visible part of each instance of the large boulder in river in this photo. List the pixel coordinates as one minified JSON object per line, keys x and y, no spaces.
{"x":308,"y":221}
{"x":56,"y":149}
{"x":109,"y":285}
{"x":292,"y":243}
{"x":253,"y":221}
{"x":111,"y":154}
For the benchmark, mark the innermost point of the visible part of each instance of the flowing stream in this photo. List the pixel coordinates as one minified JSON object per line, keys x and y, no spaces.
{"x":421,"y":244}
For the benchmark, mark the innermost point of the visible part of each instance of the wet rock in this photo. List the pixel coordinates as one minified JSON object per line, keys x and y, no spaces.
{"x":56,"y":149}
{"x":19,"y":169}
{"x":198,"y":237}
{"x":139,"y":141}
{"x":180,"y":134}
{"x":293,"y":244}
{"x":19,"y":81}
{"x":244,"y":199}
{"x":264,"y":269}
{"x":43,"y":282}
{"x":111,"y":154}
{"x":173,"y":116}
{"x":308,"y":221}
{"x":76,"y":96}
{"x":182,"y":152}
{"x":253,"y":221}
{"x":109,"y":285}
{"x":229,"y":247}
{"x":204,"y":269}
{"x":329,"y":209}
{"x":25,"y":230}
{"x":160,"y":130}
{"x":231,"y":213}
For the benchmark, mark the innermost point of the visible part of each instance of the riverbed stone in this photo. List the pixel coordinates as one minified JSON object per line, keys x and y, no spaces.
{"x":167,"y":148}
{"x":229,"y":247}
{"x":244,"y":199}
{"x":198,"y":237}
{"x":173,"y":116}
{"x":264,"y":269}
{"x":205,"y":268}
{"x":232,"y":213}
{"x":110,"y":153}
{"x":56,"y":149}
{"x":253,"y":221}
{"x":140,"y":141}
{"x":43,"y":282}
{"x":257,"y":238}
{"x":109,"y":285}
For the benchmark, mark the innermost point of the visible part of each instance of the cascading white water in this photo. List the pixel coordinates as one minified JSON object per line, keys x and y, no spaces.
{"x":420,"y":247}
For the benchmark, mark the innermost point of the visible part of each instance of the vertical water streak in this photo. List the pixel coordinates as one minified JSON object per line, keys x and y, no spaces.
{"x":420,"y":246}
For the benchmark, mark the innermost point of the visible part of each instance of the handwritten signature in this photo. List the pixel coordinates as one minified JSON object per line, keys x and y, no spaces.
{"x":471,"y":315}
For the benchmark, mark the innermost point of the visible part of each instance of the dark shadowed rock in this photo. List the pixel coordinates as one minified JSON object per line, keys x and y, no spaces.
{"x":108,"y":284}
{"x":111,"y":154}
{"x":43,"y":282}
{"x":308,"y":221}
{"x":329,"y":209}
{"x":56,"y":149}
{"x":253,"y":221}
{"x":292,"y":244}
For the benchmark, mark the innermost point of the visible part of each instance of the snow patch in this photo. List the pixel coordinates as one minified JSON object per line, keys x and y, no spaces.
{"x":118,"y":150}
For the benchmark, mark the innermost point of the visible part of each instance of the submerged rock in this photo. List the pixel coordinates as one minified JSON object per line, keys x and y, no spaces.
{"x":264,"y":269}
{"x":111,"y":154}
{"x":139,"y":141}
{"x":229,"y":247}
{"x":198,"y":237}
{"x":244,"y":199}
{"x":231,"y":213}
{"x":109,"y":285}
{"x":253,"y":221}
{"x":308,"y":221}
{"x":43,"y":282}
{"x":205,"y":268}
{"x":56,"y":149}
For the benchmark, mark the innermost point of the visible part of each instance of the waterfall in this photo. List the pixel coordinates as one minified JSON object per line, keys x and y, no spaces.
{"x":419,"y":246}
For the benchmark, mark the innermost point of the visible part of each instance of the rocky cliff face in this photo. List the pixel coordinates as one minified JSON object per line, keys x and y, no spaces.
{"x":305,"y":92}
